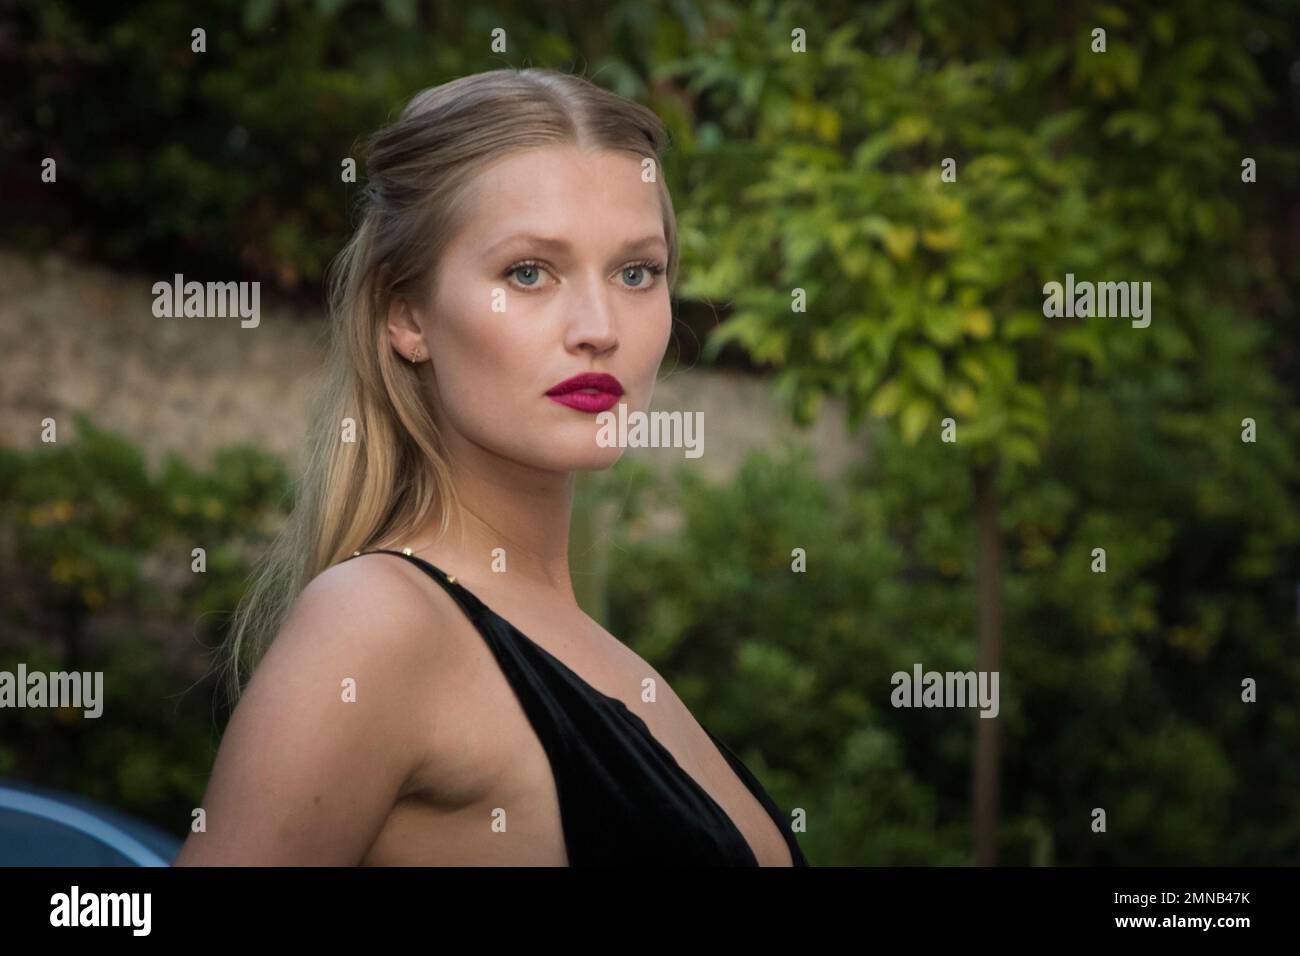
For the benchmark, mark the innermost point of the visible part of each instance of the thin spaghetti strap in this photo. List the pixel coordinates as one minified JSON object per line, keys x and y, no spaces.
{"x":470,"y":604}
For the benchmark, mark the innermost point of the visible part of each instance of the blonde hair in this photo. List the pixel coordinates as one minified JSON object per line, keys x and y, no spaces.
{"x":395,"y":478}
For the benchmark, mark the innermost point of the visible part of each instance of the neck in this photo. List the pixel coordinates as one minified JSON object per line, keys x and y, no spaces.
{"x":524,"y":511}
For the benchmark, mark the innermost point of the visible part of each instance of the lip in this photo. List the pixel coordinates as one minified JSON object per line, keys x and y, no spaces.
{"x":605,"y":391}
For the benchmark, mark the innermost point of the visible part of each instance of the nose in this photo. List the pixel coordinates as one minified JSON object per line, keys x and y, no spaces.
{"x":593,"y":325}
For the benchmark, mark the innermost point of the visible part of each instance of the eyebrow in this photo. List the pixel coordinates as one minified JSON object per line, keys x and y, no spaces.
{"x":563,"y":245}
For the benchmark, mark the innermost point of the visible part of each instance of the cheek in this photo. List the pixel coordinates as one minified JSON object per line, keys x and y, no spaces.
{"x":648,"y":342}
{"x":483,"y":365}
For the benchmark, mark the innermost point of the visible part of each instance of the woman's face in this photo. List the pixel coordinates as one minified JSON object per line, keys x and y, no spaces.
{"x":559,"y":271}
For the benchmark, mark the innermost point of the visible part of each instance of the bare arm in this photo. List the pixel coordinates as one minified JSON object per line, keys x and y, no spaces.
{"x":305,"y":775}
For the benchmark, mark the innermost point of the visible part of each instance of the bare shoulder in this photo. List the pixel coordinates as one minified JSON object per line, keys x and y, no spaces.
{"x":367,"y":617}
{"x":377,"y":601}
{"x":333,"y":725}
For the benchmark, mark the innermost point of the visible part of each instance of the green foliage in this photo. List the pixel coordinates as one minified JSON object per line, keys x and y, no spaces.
{"x":1119,"y":690}
{"x":822,"y":172}
{"x":97,"y":573}
{"x":230,"y":160}
{"x":785,"y":665}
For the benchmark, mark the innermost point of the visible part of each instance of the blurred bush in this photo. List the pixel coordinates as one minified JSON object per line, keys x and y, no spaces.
{"x":229,"y":161}
{"x":96,"y":566}
{"x":1120,"y":690}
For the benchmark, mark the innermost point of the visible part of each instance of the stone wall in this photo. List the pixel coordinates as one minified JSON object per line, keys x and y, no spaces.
{"x":79,"y":336}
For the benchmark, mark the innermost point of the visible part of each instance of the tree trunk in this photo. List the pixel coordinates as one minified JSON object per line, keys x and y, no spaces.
{"x":988,"y":657}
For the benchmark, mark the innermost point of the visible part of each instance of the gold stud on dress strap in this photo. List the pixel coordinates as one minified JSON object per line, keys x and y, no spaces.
{"x":355,"y":553}
{"x":451,"y":579}
{"x":406,"y":551}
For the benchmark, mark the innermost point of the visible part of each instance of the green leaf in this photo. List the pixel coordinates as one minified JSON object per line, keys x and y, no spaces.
{"x":978,"y":323}
{"x":925,"y":366}
{"x":1082,"y":340}
{"x":900,"y":241}
{"x":1059,"y":124}
{"x":916,"y":416}
{"x":1025,"y":324}
{"x":1019,"y":448}
{"x":974,"y":369}
{"x":887,"y":399}
{"x":963,"y":401}
{"x":1001,"y":362}
{"x":941,"y":325}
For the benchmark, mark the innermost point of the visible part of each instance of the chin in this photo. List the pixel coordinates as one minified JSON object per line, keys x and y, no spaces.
{"x":582,"y":453}
{"x":572,"y":448}
{"x":596,"y":459}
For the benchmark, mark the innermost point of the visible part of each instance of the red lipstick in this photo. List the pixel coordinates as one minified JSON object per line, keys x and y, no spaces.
{"x":588,"y":392}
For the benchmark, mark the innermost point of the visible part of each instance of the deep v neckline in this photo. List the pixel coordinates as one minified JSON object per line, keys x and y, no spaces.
{"x":634,"y":719}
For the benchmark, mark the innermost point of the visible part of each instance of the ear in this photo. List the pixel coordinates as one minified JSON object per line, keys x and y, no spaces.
{"x":404,"y":332}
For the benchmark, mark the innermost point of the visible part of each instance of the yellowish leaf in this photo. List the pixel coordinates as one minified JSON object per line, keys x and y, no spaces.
{"x":900,"y":241}
{"x":978,"y":322}
{"x":940,"y":240}
{"x":915,"y":417}
{"x":887,"y":399}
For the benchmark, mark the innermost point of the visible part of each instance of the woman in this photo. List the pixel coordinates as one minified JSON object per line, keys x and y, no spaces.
{"x":433,"y":694}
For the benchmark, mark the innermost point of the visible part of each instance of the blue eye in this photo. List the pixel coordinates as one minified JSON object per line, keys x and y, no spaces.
{"x":654,"y":268}
{"x":525,"y":270}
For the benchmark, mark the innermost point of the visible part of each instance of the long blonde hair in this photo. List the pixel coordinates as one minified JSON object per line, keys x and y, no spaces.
{"x":394,"y":478}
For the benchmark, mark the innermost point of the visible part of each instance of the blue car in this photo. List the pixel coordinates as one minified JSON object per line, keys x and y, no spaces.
{"x":44,"y":827}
